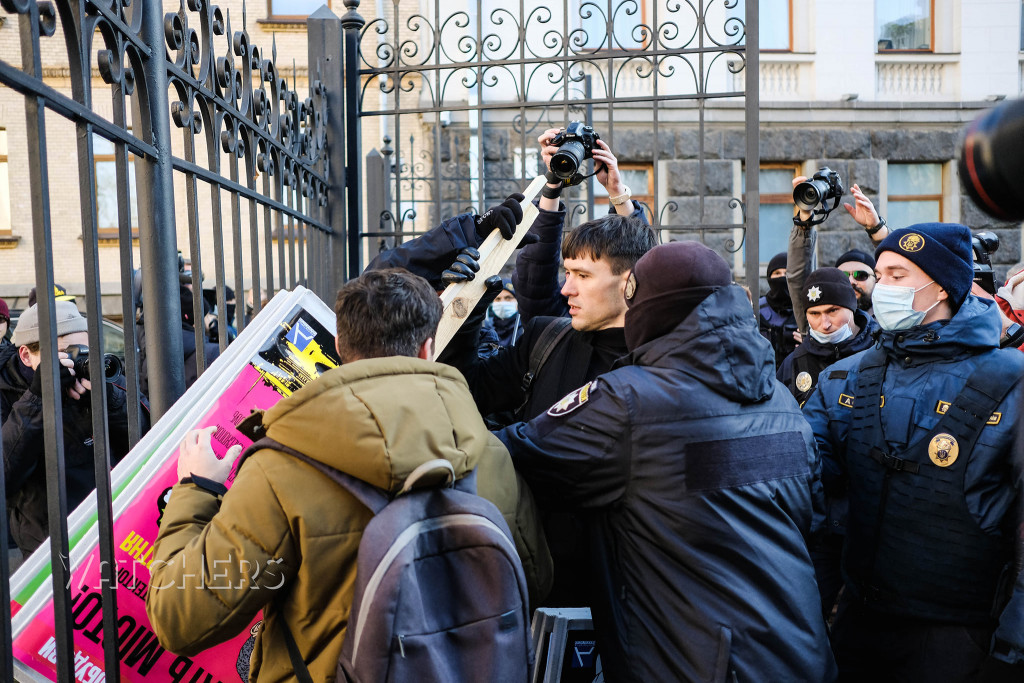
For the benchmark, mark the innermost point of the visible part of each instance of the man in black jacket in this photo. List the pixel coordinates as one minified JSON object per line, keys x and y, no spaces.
{"x":22,"y":408}
{"x":701,"y":479}
{"x":838,"y":328}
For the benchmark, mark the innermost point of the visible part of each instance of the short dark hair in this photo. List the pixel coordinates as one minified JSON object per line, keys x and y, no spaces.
{"x":620,"y":239}
{"x":388,"y":312}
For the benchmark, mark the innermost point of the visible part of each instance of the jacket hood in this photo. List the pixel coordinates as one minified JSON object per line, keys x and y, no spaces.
{"x":720,"y":345}
{"x":864,"y":339}
{"x":380,"y":418}
{"x":974,"y":328}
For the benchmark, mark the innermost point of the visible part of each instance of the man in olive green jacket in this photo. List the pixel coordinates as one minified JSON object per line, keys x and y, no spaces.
{"x":385,"y":411}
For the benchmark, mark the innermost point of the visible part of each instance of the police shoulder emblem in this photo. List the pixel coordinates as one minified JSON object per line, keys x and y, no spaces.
{"x":574,"y":400}
{"x":943,"y":450}
{"x":804,"y":381}
{"x":912,"y":242}
{"x":814,"y":293}
{"x":630,"y":286}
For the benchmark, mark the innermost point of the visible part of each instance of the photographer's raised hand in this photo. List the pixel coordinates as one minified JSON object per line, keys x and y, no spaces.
{"x":802,"y":215}
{"x":505,"y":217}
{"x":607,"y":167}
{"x":863,"y":211}
{"x":547,"y":150}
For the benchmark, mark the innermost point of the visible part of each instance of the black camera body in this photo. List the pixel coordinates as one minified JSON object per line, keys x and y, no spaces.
{"x":79,"y":355}
{"x":823,"y":186}
{"x":575,"y":144}
{"x":984,"y":244}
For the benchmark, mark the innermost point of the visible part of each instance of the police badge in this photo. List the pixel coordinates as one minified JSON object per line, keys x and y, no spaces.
{"x":943,"y":450}
{"x":804,"y":381}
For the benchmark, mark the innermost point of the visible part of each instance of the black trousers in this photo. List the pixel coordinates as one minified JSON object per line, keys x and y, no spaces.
{"x":870,"y":646}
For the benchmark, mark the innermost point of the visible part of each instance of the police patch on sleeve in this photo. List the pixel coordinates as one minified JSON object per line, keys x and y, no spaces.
{"x":573,"y":400}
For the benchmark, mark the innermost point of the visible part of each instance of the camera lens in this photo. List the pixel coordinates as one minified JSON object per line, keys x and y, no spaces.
{"x":568,"y":159}
{"x":809,"y":194}
{"x":991,"y":165}
{"x":112,"y":366}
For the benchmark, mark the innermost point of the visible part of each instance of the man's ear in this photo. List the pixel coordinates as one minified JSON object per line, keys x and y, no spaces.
{"x":943,"y":295}
{"x":426,"y":351}
{"x":25,"y":355}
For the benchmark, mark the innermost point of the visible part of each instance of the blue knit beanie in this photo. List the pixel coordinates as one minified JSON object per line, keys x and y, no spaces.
{"x":941,"y":250}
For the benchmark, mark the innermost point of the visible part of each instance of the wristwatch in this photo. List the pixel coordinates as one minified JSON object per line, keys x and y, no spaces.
{"x":620,"y":198}
{"x":872,"y":231}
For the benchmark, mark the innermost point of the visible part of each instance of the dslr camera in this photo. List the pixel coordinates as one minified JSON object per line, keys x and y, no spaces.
{"x":79,"y":355}
{"x":823,"y":186}
{"x":984,"y":244}
{"x":575,"y":144}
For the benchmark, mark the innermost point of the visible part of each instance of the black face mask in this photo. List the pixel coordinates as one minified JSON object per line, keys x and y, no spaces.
{"x":230,"y":310}
{"x":778,"y":293}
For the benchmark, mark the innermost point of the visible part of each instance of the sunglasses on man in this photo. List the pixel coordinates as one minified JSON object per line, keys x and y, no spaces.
{"x":859,"y":275}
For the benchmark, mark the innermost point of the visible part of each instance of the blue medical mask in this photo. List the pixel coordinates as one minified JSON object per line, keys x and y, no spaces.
{"x":837,"y":337}
{"x":893,"y":306}
{"x":504,"y":309}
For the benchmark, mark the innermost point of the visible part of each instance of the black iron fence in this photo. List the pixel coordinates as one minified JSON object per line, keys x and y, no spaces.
{"x":250,"y":139}
{"x":457,"y":99}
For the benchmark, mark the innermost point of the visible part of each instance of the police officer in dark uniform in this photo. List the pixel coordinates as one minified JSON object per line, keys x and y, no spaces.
{"x":700,"y":478}
{"x":920,"y":430}
{"x":775,"y":310}
{"x":837,"y":330}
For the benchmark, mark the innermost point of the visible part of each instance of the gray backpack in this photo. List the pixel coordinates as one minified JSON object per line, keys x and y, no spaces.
{"x":440,"y":593}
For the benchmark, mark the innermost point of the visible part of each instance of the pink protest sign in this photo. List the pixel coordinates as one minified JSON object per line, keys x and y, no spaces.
{"x":299,"y":350}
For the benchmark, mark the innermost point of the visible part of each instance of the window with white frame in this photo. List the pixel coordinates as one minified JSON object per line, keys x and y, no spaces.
{"x":5,"y":187}
{"x":294,"y":9}
{"x":904,"y":24}
{"x":775,"y":220}
{"x":775,"y":22}
{"x":639,"y":178}
{"x":915,"y":194}
{"x":106,"y":189}
{"x":531,"y":157}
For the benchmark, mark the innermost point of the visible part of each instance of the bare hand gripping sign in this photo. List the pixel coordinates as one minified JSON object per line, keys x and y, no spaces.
{"x":459,"y":299}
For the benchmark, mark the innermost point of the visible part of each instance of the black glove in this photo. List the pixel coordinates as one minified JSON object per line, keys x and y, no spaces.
{"x":464,"y":269}
{"x":67,"y":380}
{"x":505,"y":217}
{"x":493,"y":286}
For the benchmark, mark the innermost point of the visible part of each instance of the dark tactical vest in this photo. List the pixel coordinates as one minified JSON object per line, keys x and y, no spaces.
{"x":913,"y":547}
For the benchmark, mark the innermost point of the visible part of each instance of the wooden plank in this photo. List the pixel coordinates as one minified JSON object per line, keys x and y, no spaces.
{"x":459,"y":299}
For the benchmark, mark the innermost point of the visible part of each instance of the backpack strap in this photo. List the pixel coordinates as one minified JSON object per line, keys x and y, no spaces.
{"x":367,"y":494}
{"x":549,"y":338}
{"x":299,"y":667}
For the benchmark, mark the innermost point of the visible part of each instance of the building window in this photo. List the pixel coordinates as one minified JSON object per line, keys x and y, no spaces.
{"x":775,"y":220}
{"x":775,"y":25}
{"x":639,"y":178}
{"x":904,"y":24}
{"x":106,"y":189}
{"x":532,"y":160}
{"x":293,"y":9}
{"x":915,"y":194}
{"x":5,"y":187}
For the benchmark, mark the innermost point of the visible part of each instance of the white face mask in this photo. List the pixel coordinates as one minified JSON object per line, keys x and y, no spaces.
{"x":504,"y":309}
{"x":840,"y":335}
{"x":894,"y":306}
